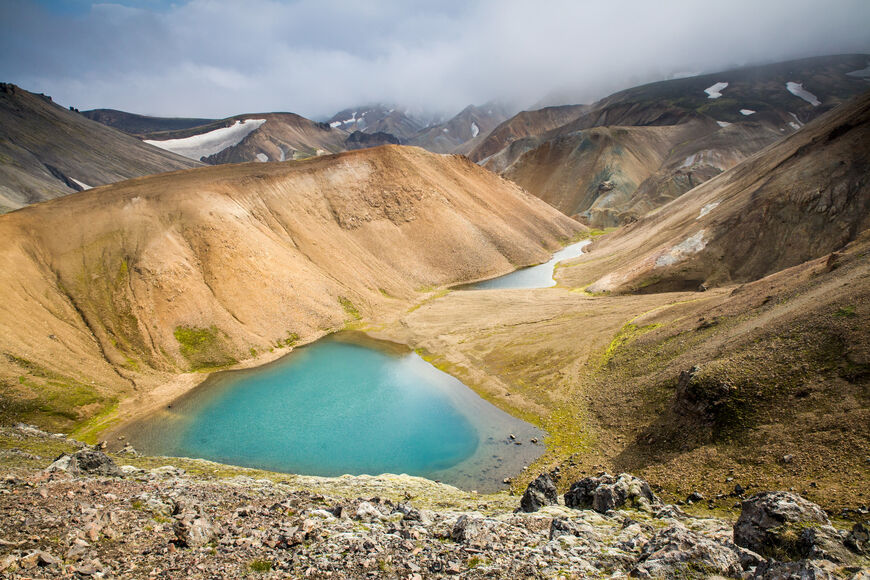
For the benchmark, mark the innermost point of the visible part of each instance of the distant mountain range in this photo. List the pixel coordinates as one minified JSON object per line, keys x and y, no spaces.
{"x":605,"y":163}
{"x":47,"y":151}
{"x":613,"y":161}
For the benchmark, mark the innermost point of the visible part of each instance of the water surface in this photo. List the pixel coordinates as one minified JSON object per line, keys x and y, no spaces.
{"x":337,"y":407}
{"x":540,"y":276}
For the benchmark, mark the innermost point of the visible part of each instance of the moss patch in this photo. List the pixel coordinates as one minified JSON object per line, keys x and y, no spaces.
{"x":349,"y":308}
{"x":52,"y":401}
{"x":202,"y":347}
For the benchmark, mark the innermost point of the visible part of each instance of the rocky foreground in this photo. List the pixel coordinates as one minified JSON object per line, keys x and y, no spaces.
{"x":82,"y":515}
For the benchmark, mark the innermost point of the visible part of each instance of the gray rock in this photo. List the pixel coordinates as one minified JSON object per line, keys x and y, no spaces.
{"x":167,"y":471}
{"x":781,"y":525}
{"x":86,"y":461}
{"x":367,"y":512}
{"x":858,"y":539}
{"x":801,"y":570}
{"x":676,"y":551}
{"x":193,"y":528}
{"x":541,"y":492}
{"x":471,"y":531}
{"x":606,"y":492}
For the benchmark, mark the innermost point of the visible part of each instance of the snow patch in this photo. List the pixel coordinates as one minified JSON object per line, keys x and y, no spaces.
{"x":863,"y":73}
{"x":81,"y":184}
{"x":475,"y":130}
{"x":262,"y":157}
{"x":798,"y":90}
{"x":690,"y":160}
{"x":681,"y":251}
{"x":208,"y":144}
{"x":283,"y":154}
{"x":445,"y":130}
{"x":747,"y":112}
{"x":715,"y":91}
{"x":796,"y":120}
{"x":707,"y":209}
{"x":723,"y":123}
{"x":794,"y":125}
{"x":352,"y":119}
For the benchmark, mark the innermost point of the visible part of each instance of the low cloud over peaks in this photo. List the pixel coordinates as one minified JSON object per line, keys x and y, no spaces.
{"x":219,"y":57}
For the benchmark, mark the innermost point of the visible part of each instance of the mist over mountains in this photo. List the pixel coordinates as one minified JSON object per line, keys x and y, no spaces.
{"x":216,"y":59}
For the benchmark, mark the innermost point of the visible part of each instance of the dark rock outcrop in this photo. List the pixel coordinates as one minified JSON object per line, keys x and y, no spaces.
{"x":677,"y":549}
{"x":541,"y":492}
{"x":86,"y":461}
{"x":784,"y":525}
{"x":606,"y":492}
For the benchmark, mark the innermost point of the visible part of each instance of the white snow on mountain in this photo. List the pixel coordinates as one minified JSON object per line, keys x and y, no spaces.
{"x":475,"y":130}
{"x":81,"y":184}
{"x":207,"y":144}
{"x":715,"y":91}
{"x":798,"y":90}
{"x":747,"y":112}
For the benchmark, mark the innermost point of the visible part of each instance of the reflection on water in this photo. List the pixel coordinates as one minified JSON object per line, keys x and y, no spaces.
{"x":337,"y":407}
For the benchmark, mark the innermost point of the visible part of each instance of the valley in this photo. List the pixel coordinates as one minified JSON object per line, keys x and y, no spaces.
{"x":671,"y":282}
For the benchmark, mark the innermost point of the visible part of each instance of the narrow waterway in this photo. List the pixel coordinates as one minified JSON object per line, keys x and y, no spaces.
{"x":540,"y":276}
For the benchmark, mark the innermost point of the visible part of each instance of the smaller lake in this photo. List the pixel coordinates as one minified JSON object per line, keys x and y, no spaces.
{"x":337,"y":407}
{"x":540,"y":276}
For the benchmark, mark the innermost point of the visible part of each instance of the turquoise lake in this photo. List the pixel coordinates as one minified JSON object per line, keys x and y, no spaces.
{"x":540,"y":276}
{"x":337,"y":407}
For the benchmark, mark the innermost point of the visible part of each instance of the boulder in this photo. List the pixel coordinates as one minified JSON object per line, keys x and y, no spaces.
{"x":801,"y":570}
{"x":541,"y":492}
{"x":678,"y":552}
{"x":783,"y":525}
{"x":858,"y":539}
{"x":471,"y":531}
{"x":192,"y":526}
{"x":86,"y":462}
{"x":606,"y":492}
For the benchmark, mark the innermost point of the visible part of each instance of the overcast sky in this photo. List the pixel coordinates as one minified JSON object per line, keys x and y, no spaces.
{"x":216,"y":58}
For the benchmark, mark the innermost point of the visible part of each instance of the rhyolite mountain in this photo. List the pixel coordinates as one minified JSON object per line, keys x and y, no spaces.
{"x":252,"y":137}
{"x":200,"y":269}
{"x":797,"y":200}
{"x":464,"y":131}
{"x":401,"y":122}
{"x":613,"y":161}
{"x":47,"y":151}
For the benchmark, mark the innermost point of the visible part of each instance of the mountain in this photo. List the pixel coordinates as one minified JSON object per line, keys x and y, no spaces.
{"x":252,"y":137}
{"x":141,"y":124}
{"x":195,"y":270}
{"x":582,"y":160}
{"x":461,"y":133}
{"x":800,"y":199}
{"x":47,"y":151}
{"x":397,"y":121}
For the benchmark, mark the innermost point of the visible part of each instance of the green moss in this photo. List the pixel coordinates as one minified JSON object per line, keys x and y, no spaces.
{"x":845,"y":312}
{"x":627,"y":333}
{"x":90,"y":429}
{"x":260,"y":566}
{"x":291,"y":340}
{"x":202,"y":347}
{"x":49,"y":399}
{"x":349,"y":308}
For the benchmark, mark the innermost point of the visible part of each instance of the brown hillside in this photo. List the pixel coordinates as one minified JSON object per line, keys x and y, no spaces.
{"x":524,"y":124}
{"x":797,"y":200}
{"x":47,"y":151}
{"x":201,"y":269}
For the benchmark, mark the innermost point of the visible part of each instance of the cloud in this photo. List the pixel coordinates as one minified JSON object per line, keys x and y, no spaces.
{"x":221,"y":57}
